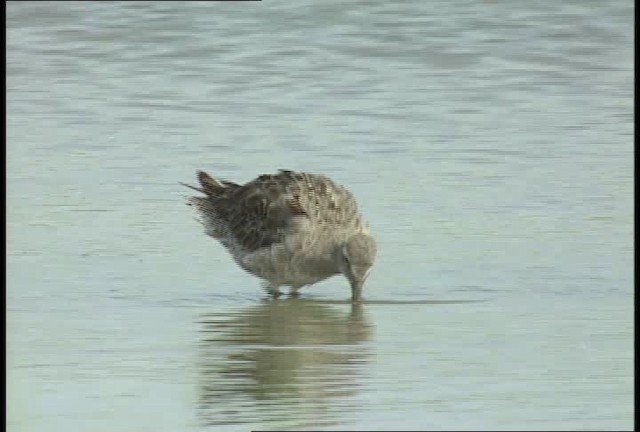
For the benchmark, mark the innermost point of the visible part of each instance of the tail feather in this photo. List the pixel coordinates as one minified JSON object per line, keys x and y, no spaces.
{"x":192,"y":187}
{"x":206,"y":207}
{"x":207,"y":216}
{"x":209,"y":185}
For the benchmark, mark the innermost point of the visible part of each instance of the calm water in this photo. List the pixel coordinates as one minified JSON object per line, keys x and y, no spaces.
{"x":488,"y":143}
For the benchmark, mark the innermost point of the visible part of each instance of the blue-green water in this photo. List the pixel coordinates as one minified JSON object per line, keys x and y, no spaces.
{"x":489,"y":146}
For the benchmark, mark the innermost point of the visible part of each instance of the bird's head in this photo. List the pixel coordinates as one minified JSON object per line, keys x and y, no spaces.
{"x":355,"y":258}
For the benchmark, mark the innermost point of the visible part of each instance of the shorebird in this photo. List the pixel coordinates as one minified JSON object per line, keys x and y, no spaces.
{"x":289,"y":229}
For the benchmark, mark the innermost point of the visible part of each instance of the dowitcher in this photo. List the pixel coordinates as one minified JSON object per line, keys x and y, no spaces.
{"x":289,"y":229}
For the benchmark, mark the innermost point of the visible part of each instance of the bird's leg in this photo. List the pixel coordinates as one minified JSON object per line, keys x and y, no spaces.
{"x":271,"y":289}
{"x":293,"y":292}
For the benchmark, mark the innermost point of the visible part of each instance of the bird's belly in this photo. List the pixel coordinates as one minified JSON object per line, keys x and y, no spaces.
{"x":301,"y":278}
{"x":281,"y":267}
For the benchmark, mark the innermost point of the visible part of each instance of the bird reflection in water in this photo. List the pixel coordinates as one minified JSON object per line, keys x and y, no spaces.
{"x":294,"y":361}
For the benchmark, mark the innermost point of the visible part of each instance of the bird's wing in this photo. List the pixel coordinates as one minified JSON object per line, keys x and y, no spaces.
{"x":260,"y":213}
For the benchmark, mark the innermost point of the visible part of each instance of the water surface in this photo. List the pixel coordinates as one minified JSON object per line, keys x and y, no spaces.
{"x":489,"y":146}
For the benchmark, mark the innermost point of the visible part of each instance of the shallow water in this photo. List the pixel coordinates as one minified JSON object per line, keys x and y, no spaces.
{"x":489,"y":146}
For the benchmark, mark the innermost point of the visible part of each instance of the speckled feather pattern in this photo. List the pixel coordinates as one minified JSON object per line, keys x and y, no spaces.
{"x":281,"y":227}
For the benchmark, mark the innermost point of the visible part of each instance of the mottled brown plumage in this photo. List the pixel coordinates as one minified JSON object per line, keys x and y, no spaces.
{"x":288,"y":228}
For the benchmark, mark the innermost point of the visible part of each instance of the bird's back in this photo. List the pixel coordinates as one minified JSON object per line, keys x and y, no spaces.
{"x":263,"y":211}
